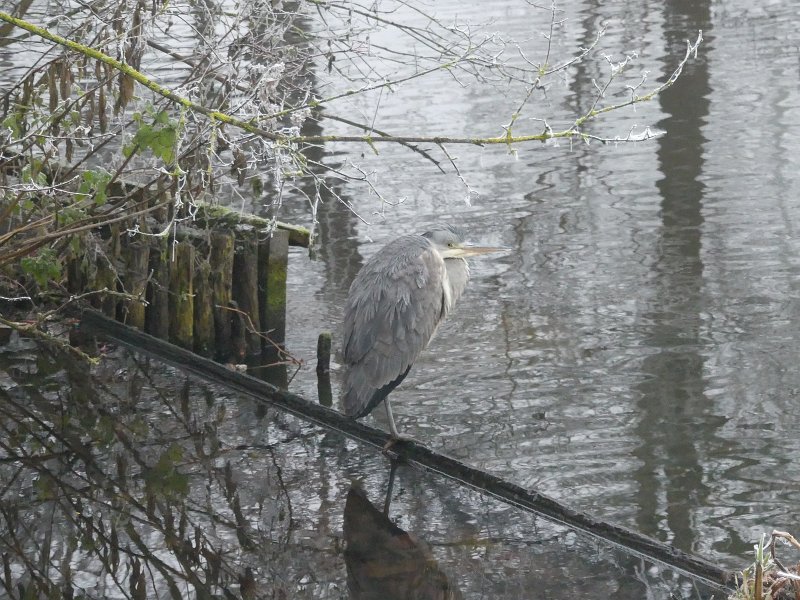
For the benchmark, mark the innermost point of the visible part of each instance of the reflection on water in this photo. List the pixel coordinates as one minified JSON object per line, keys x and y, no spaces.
{"x":673,"y":410}
{"x":130,"y":479}
{"x":113,"y":483}
{"x":385,"y":562}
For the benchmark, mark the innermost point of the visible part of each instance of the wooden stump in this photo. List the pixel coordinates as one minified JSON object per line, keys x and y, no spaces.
{"x":203,"y":311}
{"x":273,"y":265}
{"x":105,"y":276}
{"x":324,"y":353}
{"x":245,"y":287}
{"x":324,"y":369}
{"x":135,"y":258}
{"x":77,"y":266}
{"x":221,"y":280}
{"x":157,"y":317}
{"x":181,"y":296}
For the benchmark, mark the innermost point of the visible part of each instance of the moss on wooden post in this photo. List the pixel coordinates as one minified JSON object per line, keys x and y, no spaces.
{"x":245,"y":286}
{"x":181,"y":296}
{"x":222,"y":216}
{"x":220,"y":281}
{"x":203,"y":311}
{"x":273,"y":262}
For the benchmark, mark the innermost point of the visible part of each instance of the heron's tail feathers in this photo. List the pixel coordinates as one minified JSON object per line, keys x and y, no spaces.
{"x":359,"y":396}
{"x":356,"y":393}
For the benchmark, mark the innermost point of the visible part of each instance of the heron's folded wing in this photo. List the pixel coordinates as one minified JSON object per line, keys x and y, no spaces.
{"x":395,"y":305}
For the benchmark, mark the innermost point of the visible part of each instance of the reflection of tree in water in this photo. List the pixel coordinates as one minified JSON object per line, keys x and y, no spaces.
{"x":125,"y":481}
{"x":384,"y":562}
{"x":675,"y":415}
{"x":114,"y":485}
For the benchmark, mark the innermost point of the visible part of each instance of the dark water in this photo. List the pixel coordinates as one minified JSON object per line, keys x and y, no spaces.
{"x":634,"y":355}
{"x":131,"y":478}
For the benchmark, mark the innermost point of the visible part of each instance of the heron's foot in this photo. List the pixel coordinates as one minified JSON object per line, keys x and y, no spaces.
{"x":394,"y":441}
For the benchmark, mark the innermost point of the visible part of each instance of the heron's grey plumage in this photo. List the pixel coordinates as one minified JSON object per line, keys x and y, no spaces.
{"x":395,"y":305}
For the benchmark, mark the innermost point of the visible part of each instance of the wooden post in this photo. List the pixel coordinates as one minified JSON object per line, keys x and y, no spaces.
{"x":77,"y":265}
{"x":157,"y":317}
{"x":203,"y":311}
{"x":181,"y":296}
{"x":136,"y":253}
{"x":220,"y":280}
{"x":245,"y":287}
{"x":106,"y":275}
{"x":238,"y":334}
{"x":104,"y":278}
{"x":323,"y":369}
{"x":324,"y":353}
{"x":274,"y":262}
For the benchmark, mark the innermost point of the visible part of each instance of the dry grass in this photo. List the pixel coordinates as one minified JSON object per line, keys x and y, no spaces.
{"x":767,"y":578}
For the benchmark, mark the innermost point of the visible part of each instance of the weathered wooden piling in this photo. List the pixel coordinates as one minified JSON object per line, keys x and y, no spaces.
{"x":181,"y":295}
{"x":274,"y":262}
{"x":239,"y":294}
{"x":245,"y":286}
{"x":104,"y":279}
{"x":77,"y":266}
{"x":105,"y":275}
{"x":324,"y":353}
{"x":203,"y":310}
{"x":324,"y":392}
{"x":239,"y":326}
{"x":135,"y":256}
{"x":221,"y":280}
{"x":157,"y":314}
{"x":226,"y":305}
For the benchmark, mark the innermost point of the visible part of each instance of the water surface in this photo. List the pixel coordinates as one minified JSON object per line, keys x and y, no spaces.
{"x":635,"y":354}
{"x":132,"y":479}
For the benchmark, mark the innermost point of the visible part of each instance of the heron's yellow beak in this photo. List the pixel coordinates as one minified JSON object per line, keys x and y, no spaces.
{"x":466,"y":251}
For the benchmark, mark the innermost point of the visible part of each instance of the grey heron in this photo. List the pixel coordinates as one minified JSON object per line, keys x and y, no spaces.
{"x":395,"y":304}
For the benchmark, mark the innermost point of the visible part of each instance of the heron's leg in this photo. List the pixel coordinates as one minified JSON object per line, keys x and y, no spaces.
{"x":389,"y":487}
{"x":392,"y":426}
{"x":396,"y":437}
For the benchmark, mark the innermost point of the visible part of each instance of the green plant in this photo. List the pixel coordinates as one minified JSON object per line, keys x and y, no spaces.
{"x":43,"y":267}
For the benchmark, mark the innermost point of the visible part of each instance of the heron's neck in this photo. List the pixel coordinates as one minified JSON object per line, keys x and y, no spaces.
{"x":457,"y":277}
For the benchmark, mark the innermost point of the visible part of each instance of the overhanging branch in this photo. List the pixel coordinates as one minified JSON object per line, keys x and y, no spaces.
{"x":574,"y":131}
